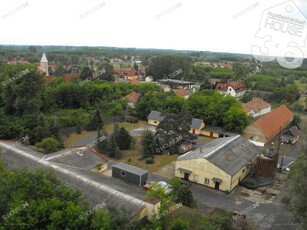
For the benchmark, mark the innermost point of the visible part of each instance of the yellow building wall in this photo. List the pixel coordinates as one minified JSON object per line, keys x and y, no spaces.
{"x":239,"y":176}
{"x":204,"y":169}
{"x":198,"y":131}
{"x":207,"y":133}
{"x":153,"y":122}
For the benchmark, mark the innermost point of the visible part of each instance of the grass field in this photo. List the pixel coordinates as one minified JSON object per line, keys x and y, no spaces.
{"x":133,"y":156}
{"x":74,"y":137}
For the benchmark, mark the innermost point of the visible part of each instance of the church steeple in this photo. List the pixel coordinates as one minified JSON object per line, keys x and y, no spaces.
{"x":44,"y":64}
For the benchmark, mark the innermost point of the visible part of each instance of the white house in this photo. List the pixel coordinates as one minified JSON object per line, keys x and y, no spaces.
{"x":256,"y":107}
{"x":235,"y":89}
{"x":148,"y":79}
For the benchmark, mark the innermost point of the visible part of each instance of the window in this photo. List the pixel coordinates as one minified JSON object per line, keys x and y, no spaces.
{"x":243,"y":170}
{"x":196,"y":178}
{"x":123,"y":174}
{"x":207,"y":180}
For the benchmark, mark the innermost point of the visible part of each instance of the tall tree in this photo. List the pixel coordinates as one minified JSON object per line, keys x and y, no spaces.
{"x":123,"y":139}
{"x":106,"y":71}
{"x":149,"y":144}
{"x":236,"y":120}
{"x":86,"y":73}
{"x":22,"y":91}
{"x":297,"y":184}
{"x":174,"y":131}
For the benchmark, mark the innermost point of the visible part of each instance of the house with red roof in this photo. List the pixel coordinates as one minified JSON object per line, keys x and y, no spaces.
{"x":181,"y":93}
{"x":18,"y":62}
{"x":232,"y":88}
{"x":69,"y":76}
{"x":132,"y":99}
{"x":269,"y":125}
{"x":128,"y":74}
{"x":256,"y":107}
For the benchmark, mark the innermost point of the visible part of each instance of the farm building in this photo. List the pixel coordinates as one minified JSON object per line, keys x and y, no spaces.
{"x":269,"y":125}
{"x":290,"y":135}
{"x":220,"y":164}
{"x":196,"y":126}
{"x":132,"y":99}
{"x":130,"y":174}
{"x":155,"y":117}
{"x":256,"y":107}
{"x":235,"y":89}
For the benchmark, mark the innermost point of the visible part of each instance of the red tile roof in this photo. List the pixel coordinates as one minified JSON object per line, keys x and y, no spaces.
{"x":68,"y":77}
{"x":257,"y":105}
{"x":134,"y":82}
{"x":49,"y":78}
{"x":125,"y":72}
{"x":271,"y":123}
{"x":236,"y":85}
{"x":133,"y":97}
{"x":180,"y":92}
{"x":18,"y":62}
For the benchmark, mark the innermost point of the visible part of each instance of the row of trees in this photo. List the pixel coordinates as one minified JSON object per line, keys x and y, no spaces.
{"x":210,"y":106}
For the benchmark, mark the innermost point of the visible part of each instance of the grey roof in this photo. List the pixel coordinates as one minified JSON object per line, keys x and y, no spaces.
{"x":86,"y":160}
{"x":229,"y":154}
{"x":177,"y":81}
{"x":130,"y":168}
{"x":155,"y":115}
{"x":196,"y":123}
{"x":293,"y":130}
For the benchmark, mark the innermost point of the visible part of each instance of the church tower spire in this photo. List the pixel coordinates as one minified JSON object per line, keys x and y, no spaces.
{"x":44,"y":64}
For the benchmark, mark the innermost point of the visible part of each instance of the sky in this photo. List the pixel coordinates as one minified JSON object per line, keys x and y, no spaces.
{"x":202,"y":25}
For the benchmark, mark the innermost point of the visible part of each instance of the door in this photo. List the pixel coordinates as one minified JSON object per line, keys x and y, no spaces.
{"x":193,"y":131}
{"x":186,"y":176}
{"x":211,"y":134}
{"x":217,"y":185}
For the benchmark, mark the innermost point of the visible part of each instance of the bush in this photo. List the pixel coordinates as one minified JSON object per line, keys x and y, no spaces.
{"x":285,"y":200}
{"x":250,"y":181}
{"x":149,"y":160}
{"x":48,"y":145}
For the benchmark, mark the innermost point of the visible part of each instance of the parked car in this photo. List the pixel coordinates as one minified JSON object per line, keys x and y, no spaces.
{"x":131,"y":119}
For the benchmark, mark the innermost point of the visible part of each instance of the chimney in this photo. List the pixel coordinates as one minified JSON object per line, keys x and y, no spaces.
{"x":201,"y":150}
